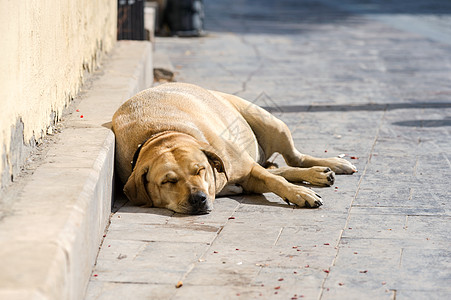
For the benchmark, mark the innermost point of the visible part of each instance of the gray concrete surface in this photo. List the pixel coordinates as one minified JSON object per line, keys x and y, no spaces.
{"x":344,"y":82}
{"x":50,"y":233}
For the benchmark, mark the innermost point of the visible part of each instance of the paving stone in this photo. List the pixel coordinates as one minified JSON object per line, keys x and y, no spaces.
{"x":425,"y":227}
{"x":120,"y":249}
{"x":223,"y":208}
{"x":239,"y":292}
{"x":236,"y":234}
{"x":340,"y":285}
{"x":310,"y":220}
{"x":376,"y":225}
{"x":411,"y":242}
{"x":138,"y":215}
{"x":356,"y":257}
{"x":163,"y":233}
{"x":432,"y":264}
{"x":295,"y":280}
{"x":113,"y":290}
{"x":136,"y":275}
{"x":222,"y":274}
{"x":404,"y":211}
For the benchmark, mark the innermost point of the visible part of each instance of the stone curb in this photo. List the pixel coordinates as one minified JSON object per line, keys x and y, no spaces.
{"x":50,"y":238}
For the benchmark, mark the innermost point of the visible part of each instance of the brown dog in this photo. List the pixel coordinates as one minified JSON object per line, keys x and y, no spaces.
{"x":179,"y":145}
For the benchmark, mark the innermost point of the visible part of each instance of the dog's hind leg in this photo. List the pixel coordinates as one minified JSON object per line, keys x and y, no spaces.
{"x":321,"y":176}
{"x":273,"y":135}
{"x":296,"y":159}
{"x":337,"y":164}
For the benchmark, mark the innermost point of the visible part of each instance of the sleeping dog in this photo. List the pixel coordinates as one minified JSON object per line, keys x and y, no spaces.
{"x":179,"y":145}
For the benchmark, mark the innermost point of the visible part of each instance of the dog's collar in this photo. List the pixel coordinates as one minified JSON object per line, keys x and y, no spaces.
{"x":140,"y":146}
{"x":135,"y":156}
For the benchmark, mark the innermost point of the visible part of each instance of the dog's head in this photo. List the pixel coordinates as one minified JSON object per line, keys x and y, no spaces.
{"x":175,"y":171}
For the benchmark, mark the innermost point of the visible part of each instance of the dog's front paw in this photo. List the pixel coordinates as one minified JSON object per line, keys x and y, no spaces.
{"x":341,"y":166}
{"x":304,"y":197}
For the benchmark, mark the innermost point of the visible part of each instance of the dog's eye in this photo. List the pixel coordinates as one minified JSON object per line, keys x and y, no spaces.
{"x":200,"y":170}
{"x":172,"y":180}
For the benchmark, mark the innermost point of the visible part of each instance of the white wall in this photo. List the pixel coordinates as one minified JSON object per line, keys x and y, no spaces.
{"x":45,"y":48}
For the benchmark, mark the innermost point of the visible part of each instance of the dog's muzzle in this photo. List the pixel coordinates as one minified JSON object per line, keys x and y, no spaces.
{"x":199,"y":203}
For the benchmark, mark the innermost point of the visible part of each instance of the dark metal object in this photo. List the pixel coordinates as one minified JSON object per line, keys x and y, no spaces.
{"x":185,"y":17}
{"x":130,"y":20}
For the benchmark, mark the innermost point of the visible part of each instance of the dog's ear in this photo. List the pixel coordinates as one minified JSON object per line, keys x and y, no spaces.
{"x":136,"y":187}
{"x":216,"y":162}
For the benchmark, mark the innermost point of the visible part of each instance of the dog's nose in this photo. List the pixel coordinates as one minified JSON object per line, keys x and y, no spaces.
{"x":198,"y":198}
{"x":199,"y":203}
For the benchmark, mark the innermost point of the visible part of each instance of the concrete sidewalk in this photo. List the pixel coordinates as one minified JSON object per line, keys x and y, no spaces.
{"x":54,"y":215}
{"x":344,"y":82}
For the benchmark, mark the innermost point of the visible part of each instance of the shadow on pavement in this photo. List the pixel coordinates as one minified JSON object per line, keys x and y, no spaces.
{"x":122,"y":204}
{"x":424,"y":123}
{"x":357,"y":107}
{"x":290,"y":17}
